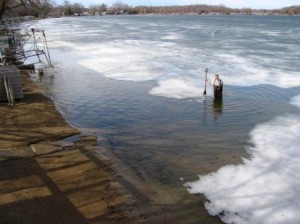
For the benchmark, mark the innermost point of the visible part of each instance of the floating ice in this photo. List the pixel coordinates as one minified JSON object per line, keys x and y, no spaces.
{"x":296,"y":101}
{"x":265,"y":188}
{"x":176,"y":88}
{"x":144,"y":51}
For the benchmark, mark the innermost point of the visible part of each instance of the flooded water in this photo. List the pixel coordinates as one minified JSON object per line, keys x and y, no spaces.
{"x":137,"y":82}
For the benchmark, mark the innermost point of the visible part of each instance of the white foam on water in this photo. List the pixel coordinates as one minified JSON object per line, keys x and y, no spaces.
{"x":265,"y":188}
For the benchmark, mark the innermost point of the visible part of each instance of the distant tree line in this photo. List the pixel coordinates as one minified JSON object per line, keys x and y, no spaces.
{"x":292,"y":10}
{"x":205,"y":9}
{"x":45,"y":8}
{"x":122,"y":8}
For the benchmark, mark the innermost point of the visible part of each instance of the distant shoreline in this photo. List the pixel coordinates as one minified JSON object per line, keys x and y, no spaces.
{"x":198,"y":9}
{"x":185,"y":14}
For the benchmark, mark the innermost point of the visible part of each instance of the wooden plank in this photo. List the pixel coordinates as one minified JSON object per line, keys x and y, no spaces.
{"x":13,"y":74}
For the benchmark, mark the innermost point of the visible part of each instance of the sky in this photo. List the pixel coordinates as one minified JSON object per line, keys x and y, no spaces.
{"x":254,"y":4}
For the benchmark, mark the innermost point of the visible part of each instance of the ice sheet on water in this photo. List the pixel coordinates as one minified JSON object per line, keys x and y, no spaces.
{"x":177,"y":67}
{"x":177,"y":88}
{"x":265,"y":188}
{"x":142,"y":61}
{"x":165,"y":63}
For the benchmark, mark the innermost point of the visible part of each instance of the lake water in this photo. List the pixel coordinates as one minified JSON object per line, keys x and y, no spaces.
{"x":137,"y":82}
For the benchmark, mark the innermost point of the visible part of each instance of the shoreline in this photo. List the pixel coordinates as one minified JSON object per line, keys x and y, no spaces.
{"x":47,"y":179}
{"x":50,"y":173}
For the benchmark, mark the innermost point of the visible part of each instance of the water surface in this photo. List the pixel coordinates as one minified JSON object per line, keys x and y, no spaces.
{"x":137,"y":82}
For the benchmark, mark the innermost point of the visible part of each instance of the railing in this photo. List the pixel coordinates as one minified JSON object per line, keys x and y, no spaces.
{"x":12,"y":42}
{"x":12,"y":23}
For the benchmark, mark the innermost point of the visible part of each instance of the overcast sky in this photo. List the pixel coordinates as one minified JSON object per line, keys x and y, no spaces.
{"x":255,"y":4}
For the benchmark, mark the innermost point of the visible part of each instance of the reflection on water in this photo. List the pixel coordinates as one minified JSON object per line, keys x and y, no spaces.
{"x":217,"y":108}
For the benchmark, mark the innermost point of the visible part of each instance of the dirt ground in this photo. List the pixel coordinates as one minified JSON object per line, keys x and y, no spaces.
{"x":45,"y":179}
